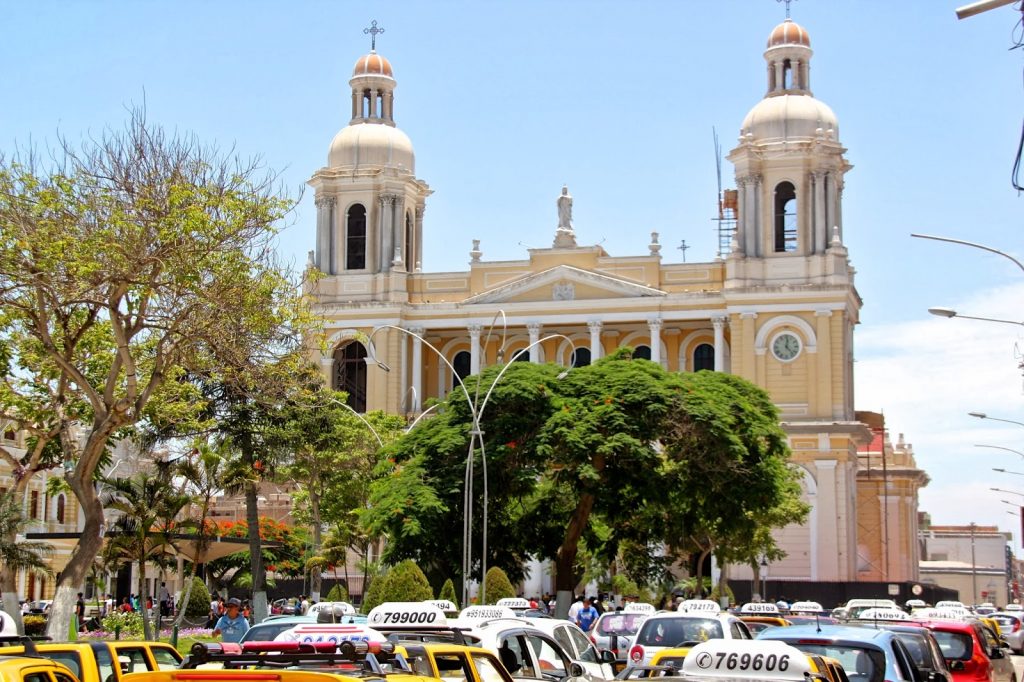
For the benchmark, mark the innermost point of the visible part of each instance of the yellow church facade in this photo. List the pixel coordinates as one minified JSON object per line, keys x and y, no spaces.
{"x":778,"y":307}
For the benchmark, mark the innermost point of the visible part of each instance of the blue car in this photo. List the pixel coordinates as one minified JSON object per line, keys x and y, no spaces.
{"x":867,"y":655}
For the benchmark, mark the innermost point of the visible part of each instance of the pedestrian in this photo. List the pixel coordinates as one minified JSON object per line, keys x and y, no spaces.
{"x":126,"y":605}
{"x":304,"y":605}
{"x":232,"y":625}
{"x":80,"y":612}
{"x":165,"y":601}
{"x":586,"y":616}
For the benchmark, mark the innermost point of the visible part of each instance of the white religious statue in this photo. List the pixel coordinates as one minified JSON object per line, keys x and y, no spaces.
{"x":564,"y":236}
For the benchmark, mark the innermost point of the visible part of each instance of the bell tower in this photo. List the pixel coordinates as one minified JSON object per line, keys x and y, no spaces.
{"x":789,"y":171}
{"x":369,"y":202}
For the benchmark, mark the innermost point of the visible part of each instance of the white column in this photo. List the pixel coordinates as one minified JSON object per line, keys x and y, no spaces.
{"x":405,"y":373}
{"x":373,"y":103}
{"x":595,"y":339}
{"x":820,"y":231}
{"x":833,"y":202}
{"x":719,"y":322}
{"x":654,"y":324}
{"x":828,"y":521}
{"x":417,"y":368}
{"x":321,"y":233}
{"x":474,"y":348}
{"x":398,"y":229}
{"x":534,"y":329}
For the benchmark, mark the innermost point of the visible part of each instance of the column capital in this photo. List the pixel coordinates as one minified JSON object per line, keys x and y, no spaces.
{"x":475,"y":329}
{"x":823,"y":313}
{"x":594,"y":326}
{"x":749,"y":315}
{"x":534,"y":328}
{"x":655,"y":323}
{"x":418,"y":330}
{"x":388,"y":199}
{"x":719,"y":321}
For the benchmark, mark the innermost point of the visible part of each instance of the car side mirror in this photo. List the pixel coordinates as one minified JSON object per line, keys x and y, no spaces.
{"x":607,"y":656}
{"x":576,"y":670}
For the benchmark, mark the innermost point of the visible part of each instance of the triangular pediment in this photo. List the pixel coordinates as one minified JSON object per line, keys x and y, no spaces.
{"x":564,"y":283}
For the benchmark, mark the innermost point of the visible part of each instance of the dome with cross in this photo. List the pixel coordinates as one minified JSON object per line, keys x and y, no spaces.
{"x":788,"y":33}
{"x":372,"y":65}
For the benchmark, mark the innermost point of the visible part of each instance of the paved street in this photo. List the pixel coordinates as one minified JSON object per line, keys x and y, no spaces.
{"x":1018,"y":666}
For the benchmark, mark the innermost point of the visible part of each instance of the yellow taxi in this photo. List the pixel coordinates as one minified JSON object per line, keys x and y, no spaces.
{"x":99,"y":661}
{"x":33,"y":669}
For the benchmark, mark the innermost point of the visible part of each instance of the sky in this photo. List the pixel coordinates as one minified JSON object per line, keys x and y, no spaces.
{"x":505,"y":101}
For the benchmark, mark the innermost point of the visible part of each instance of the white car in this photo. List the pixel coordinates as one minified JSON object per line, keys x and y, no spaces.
{"x":579,"y":647}
{"x":615,"y":630}
{"x":1011,"y":628}
{"x":682,"y":628}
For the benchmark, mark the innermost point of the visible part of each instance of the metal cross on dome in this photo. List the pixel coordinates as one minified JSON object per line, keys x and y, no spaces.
{"x":785,"y":1}
{"x":374,"y":30}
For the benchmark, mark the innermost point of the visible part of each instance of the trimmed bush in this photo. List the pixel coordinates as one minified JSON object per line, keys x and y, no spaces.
{"x":375,"y":593}
{"x":198,"y":600}
{"x":35,"y":626}
{"x":448,"y":592}
{"x":404,"y":582}
{"x":498,"y":585}
{"x":338,"y":593}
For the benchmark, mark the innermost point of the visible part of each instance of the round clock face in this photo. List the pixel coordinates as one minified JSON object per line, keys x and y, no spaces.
{"x":786,"y":347}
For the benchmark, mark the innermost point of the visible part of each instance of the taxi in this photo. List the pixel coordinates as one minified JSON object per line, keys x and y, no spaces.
{"x":883,"y":615}
{"x":614,"y":630}
{"x":519,"y":605}
{"x":99,"y":661}
{"x":30,"y":669}
{"x":696,"y":621}
{"x":734,"y":660}
{"x":761,"y":616}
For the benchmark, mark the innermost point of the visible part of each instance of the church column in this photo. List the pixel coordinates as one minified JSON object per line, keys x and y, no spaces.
{"x":839,"y":204}
{"x":755,"y":215}
{"x":824,"y":360}
{"x":321,"y":234}
{"x":719,"y":321}
{"x":747,"y":322}
{"x":357,"y":99}
{"x":335,"y":244}
{"x":398,"y":227}
{"x":534,"y":329}
{"x":417,"y":239}
{"x":373,"y":103}
{"x":654,"y":324}
{"x":389,"y":103}
{"x":741,"y":227}
{"x":832,"y":199}
{"x":780,"y":81}
{"x":828,"y":527}
{"x":820,"y":224}
{"x":595,"y":339}
{"x":797,"y":75}
{"x":474,"y":348}
{"x":417,"y":368}
{"x":387,"y":202}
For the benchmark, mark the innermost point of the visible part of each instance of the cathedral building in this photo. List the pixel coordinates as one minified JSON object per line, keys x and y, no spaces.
{"x":778,"y":307}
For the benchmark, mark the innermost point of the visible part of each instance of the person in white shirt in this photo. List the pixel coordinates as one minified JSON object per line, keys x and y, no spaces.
{"x":574,"y":609}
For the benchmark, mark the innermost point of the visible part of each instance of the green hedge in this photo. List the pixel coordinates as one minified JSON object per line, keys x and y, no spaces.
{"x":337,"y":593}
{"x":404,"y":582}
{"x":198,"y":600}
{"x":448,"y":592}
{"x":498,"y":585}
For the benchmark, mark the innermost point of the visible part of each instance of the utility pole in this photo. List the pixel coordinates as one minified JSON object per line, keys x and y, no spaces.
{"x":974,"y":566}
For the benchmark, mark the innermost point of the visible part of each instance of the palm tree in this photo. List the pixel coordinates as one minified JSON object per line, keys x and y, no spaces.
{"x":148,"y":505}
{"x":18,"y":555}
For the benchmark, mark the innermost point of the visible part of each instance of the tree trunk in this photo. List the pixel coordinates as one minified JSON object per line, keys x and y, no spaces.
{"x":9,"y":594}
{"x":259,"y":576}
{"x":699,"y":588}
{"x":73,"y":576}
{"x":147,"y":629}
{"x":315,"y":576}
{"x":565,"y":578}
{"x":185,"y":596}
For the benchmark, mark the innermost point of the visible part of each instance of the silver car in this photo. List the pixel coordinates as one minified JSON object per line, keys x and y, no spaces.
{"x":1011,"y":629}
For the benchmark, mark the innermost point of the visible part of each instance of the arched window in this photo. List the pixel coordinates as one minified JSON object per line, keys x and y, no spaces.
{"x":521,"y":355}
{"x":355,"y":238}
{"x":408,"y":253}
{"x":704,"y":357}
{"x":462,"y":362}
{"x":60,"y":509}
{"x":350,"y":374}
{"x":642,"y":352}
{"x":787,"y":74}
{"x":581,"y":357}
{"x":785,"y":217}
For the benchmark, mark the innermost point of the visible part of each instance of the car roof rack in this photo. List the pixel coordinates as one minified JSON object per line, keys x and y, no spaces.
{"x":369,"y":657}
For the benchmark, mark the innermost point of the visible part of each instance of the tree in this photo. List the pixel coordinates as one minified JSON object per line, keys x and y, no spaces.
{"x":406,"y":582}
{"x":18,"y":555}
{"x":123,"y":264}
{"x":498,"y":585}
{"x":448,"y":592}
{"x":197,"y":604}
{"x":282,"y":549}
{"x":144,"y":530}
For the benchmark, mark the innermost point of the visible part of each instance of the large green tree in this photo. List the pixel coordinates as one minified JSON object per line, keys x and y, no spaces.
{"x":124,"y":262}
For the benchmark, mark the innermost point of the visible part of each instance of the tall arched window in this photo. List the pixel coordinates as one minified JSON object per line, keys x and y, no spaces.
{"x":60,"y":509}
{"x":355,"y":238}
{"x":704,"y":357}
{"x":642,"y":352}
{"x":521,"y":354}
{"x":787,"y":74}
{"x":581,"y":357}
{"x":350,"y":374}
{"x":409,"y":253}
{"x":462,"y":362}
{"x":785,"y":217}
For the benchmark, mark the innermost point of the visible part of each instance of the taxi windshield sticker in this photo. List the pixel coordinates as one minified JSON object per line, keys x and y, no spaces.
{"x":638,"y":607}
{"x":806,"y":607}
{"x":882,"y":614}
{"x":475,"y":614}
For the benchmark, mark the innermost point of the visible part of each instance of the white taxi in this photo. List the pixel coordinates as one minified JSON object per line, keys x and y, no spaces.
{"x":615,"y":630}
{"x":755,"y":660}
{"x":580,"y":648}
{"x":696,"y":624}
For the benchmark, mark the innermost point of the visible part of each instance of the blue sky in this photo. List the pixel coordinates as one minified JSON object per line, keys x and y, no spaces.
{"x":506,"y":101}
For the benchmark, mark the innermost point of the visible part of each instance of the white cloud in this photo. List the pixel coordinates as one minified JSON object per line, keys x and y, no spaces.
{"x":926,"y":374}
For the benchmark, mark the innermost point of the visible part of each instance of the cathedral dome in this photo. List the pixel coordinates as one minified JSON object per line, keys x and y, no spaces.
{"x":789,"y":117}
{"x":372,"y":144}
{"x":788,"y":33}
{"x":372,"y":65}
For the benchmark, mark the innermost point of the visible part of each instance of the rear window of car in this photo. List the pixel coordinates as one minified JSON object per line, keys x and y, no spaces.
{"x":955,"y":645}
{"x":1004,"y":620}
{"x":624,"y":624}
{"x":860,"y":663}
{"x":917,"y":647}
{"x":677,"y":631}
{"x":266,"y":632}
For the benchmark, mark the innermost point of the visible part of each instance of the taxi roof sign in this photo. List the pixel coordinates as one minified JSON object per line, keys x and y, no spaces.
{"x":638,"y":607}
{"x":883,"y":614}
{"x":514,"y":603}
{"x":476,"y":614}
{"x":705,"y":605}
{"x":744,"y":659}
{"x":330,"y":632}
{"x":949,"y":603}
{"x":940,"y":614}
{"x":759,"y":608}
{"x":445,"y":605}
{"x":806,"y":607}
{"x":396,"y":615}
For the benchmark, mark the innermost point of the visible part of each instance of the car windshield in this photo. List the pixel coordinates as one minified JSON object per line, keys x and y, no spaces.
{"x":860,"y":663}
{"x":1004,"y":620}
{"x":677,"y":631}
{"x":620,"y":624}
{"x":955,"y":645}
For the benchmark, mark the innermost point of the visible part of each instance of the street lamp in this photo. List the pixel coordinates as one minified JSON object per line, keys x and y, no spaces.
{"x":949,"y":312}
{"x":476,"y":409}
{"x":1000,"y":447}
{"x":982,"y":415}
{"x":973,"y":245}
{"x":1004,"y":471}
{"x":1009,"y":492}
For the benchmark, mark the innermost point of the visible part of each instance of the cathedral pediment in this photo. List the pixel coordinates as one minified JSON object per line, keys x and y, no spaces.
{"x":564,"y":283}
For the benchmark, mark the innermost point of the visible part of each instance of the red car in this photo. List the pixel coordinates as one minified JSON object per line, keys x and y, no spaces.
{"x":972,"y":651}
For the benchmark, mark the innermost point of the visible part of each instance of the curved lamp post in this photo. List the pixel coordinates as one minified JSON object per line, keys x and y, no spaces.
{"x":1009,"y":492}
{"x":475,"y":436}
{"x":1005,"y":471}
{"x":949,"y":313}
{"x":982,"y":415}
{"x":1000,"y":447}
{"x":973,"y":245}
